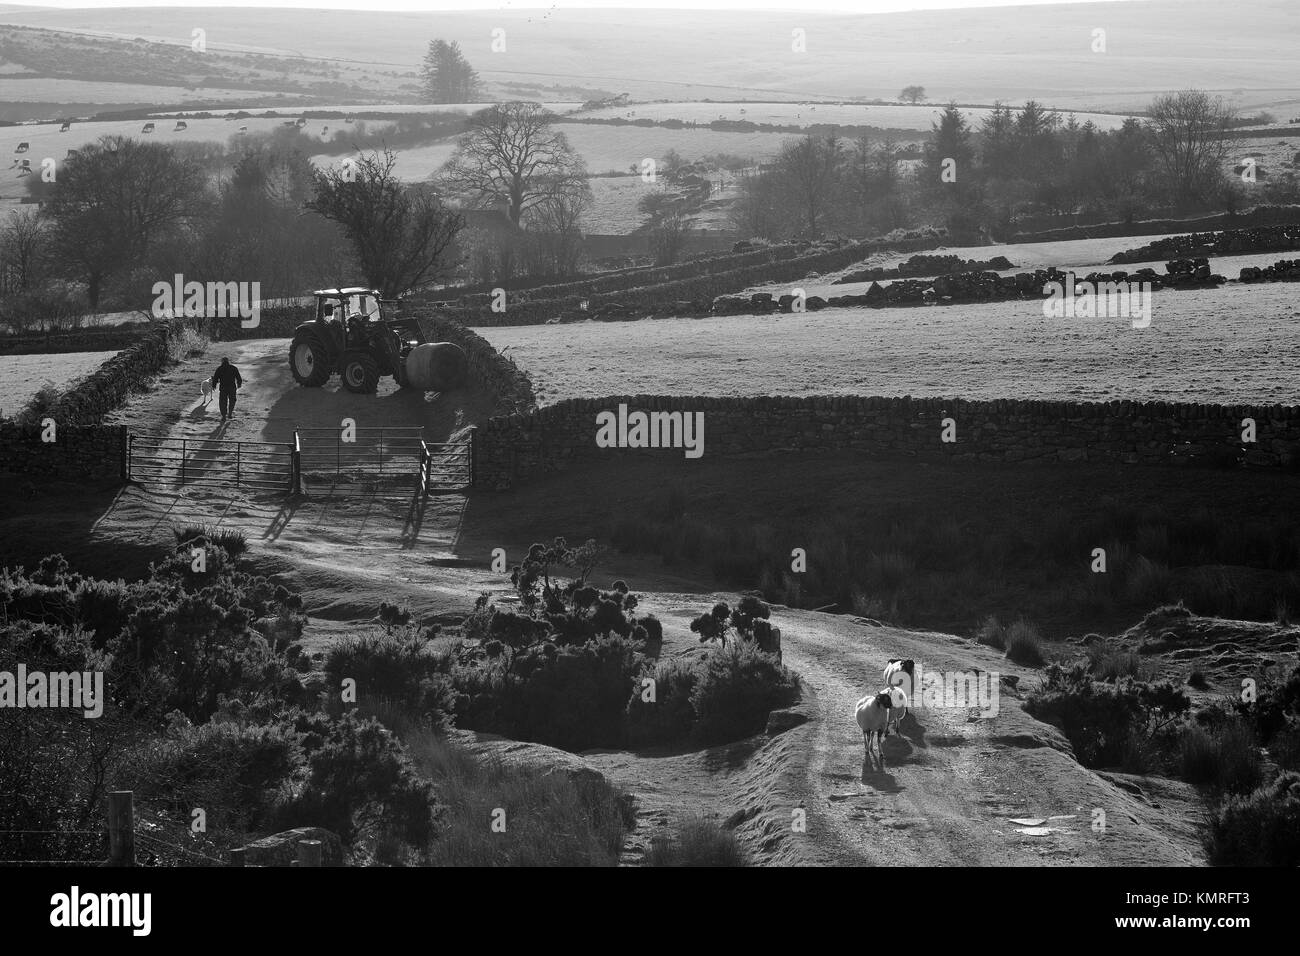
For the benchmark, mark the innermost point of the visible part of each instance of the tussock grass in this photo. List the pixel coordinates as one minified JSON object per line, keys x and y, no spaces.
{"x":551,"y":819}
{"x":1024,"y":644}
{"x":1225,"y":757}
{"x":697,"y":841}
{"x":233,"y":541}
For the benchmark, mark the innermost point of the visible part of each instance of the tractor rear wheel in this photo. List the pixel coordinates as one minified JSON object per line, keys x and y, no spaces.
{"x":309,"y":361}
{"x":360,"y":372}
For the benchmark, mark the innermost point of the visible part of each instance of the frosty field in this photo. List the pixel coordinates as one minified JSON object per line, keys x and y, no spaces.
{"x":1233,"y":344}
{"x":21,"y":376}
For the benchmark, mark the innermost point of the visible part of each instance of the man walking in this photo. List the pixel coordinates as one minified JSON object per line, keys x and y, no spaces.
{"x":226,"y":379}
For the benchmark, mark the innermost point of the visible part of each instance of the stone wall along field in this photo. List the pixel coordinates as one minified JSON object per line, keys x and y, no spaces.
{"x":519,"y":447}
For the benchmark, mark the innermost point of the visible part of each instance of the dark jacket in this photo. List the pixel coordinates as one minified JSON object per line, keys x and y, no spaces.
{"x":227,"y":378}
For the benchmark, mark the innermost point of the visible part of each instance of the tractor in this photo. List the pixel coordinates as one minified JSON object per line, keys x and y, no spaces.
{"x":355,"y":334}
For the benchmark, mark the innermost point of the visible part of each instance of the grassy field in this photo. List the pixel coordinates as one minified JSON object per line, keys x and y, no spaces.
{"x":21,"y":376}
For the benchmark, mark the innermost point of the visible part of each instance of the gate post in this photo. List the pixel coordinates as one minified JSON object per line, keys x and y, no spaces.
{"x":182,"y":461}
{"x":238,"y":446}
{"x":295,"y":466}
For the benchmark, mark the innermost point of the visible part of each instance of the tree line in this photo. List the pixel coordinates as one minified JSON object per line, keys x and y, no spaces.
{"x":979,"y":180}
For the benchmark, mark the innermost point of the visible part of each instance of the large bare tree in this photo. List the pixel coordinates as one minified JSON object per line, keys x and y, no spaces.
{"x":512,"y":155}
{"x":1188,"y":135}
{"x":401,"y":234}
{"x":113,"y":201}
{"x":809,"y":167}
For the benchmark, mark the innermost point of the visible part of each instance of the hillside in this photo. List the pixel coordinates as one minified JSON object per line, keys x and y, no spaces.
{"x":1244,"y":50}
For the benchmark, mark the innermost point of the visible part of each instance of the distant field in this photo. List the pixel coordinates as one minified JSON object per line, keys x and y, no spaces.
{"x":389,"y":108}
{"x":1235,"y":345}
{"x":917,"y":118}
{"x":22,"y":376}
{"x":51,"y":90}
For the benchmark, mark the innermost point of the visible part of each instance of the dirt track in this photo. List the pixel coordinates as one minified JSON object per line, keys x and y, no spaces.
{"x":949,"y":788}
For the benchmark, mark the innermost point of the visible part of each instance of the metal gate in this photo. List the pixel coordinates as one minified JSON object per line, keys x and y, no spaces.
{"x":171,"y":462}
{"x":379,"y":460}
{"x":446,"y":466}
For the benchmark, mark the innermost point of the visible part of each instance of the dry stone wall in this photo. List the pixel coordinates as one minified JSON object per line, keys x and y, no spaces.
{"x":91,"y":452}
{"x":518,"y":447}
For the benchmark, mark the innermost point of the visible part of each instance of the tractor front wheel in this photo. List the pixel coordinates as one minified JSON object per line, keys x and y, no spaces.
{"x":360,"y":372}
{"x":309,"y":361}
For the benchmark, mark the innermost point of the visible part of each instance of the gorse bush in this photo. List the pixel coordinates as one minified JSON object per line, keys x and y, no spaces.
{"x":1104,"y":722}
{"x":1261,"y":828}
{"x":738,"y":686}
{"x":669,"y":716}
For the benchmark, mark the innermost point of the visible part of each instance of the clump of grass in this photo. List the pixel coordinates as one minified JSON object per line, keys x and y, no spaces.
{"x":1159,"y":617}
{"x":1024,"y":644}
{"x":184,"y":343}
{"x":698,"y":841}
{"x":231,"y":540}
{"x":1225,"y":757}
{"x":1107,"y":662}
{"x":39,"y":405}
{"x":551,"y":819}
{"x":992,"y":633}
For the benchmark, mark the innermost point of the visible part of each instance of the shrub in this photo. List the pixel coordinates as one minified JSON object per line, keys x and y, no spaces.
{"x":359,"y":782}
{"x":1104,"y":723}
{"x":394,"y":666}
{"x":1258,"y":829}
{"x":697,"y":842}
{"x":670,"y":716}
{"x":738,"y":686}
{"x":1024,"y":645}
{"x":237,"y":773}
{"x":572,"y":697}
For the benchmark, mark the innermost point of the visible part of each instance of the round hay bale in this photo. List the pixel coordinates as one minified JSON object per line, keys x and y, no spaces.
{"x":436,"y":366}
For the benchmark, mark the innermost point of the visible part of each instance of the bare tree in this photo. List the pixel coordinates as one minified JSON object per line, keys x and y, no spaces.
{"x":555,"y":227}
{"x":24,"y":250}
{"x":669,"y":225}
{"x":808,"y":167}
{"x":912,"y":94}
{"x":401,"y":234}
{"x":512,"y":155}
{"x":113,"y":201}
{"x":1187,"y":133}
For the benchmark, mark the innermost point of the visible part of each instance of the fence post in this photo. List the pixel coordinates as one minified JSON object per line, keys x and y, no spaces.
{"x":126,"y":458}
{"x":237,"y":857}
{"x":182,"y":461}
{"x":121,"y":828}
{"x":295,"y":466}
{"x":309,"y":852}
{"x":238,"y":448}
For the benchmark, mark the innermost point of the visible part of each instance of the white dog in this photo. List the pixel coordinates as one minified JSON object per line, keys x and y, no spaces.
{"x":205,"y":389}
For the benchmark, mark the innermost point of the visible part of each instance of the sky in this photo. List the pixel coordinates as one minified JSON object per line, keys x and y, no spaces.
{"x":855,"y":6}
